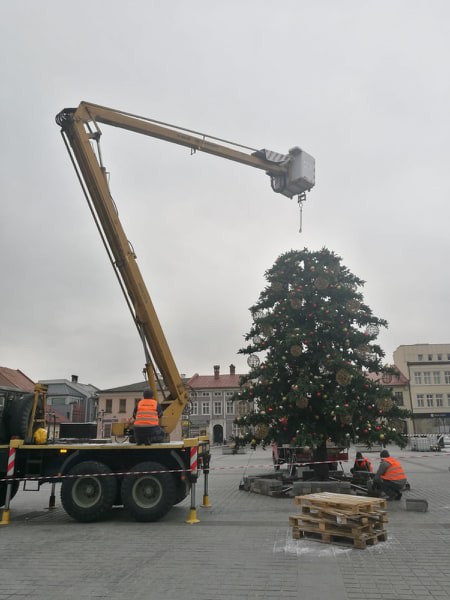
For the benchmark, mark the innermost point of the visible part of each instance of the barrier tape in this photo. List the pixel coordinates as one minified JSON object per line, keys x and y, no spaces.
{"x":193,"y":469}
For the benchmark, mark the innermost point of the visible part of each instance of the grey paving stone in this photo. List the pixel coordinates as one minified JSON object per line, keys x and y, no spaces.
{"x":241,"y":549}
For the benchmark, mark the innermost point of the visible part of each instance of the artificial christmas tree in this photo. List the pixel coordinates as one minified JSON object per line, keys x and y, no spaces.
{"x":311,"y":347}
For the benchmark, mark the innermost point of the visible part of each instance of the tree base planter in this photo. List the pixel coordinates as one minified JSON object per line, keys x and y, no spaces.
{"x":278,"y":485}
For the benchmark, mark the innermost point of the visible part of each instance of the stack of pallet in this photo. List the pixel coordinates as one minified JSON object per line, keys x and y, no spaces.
{"x":340,"y":519}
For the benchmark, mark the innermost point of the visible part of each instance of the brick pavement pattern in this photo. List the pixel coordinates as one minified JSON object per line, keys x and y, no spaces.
{"x":242,"y":549}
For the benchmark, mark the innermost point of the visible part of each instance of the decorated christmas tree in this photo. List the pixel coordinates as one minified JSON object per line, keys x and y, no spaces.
{"x":312,"y":349}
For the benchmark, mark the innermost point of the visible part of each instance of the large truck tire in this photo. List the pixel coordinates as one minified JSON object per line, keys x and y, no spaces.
{"x":90,"y":494}
{"x":19,"y":419}
{"x":148,"y":492}
{"x":3,"y":486}
{"x":183,"y":489}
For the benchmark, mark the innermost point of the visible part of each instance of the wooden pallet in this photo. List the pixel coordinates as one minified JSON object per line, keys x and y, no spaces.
{"x":344,"y":502}
{"x":323,"y":525}
{"x":338,"y":538}
{"x":340,"y":518}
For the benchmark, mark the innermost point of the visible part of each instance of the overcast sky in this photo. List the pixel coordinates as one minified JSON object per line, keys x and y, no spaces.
{"x":363,"y":86}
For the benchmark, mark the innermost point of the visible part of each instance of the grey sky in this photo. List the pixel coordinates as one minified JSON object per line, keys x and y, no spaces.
{"x":362,"y":86}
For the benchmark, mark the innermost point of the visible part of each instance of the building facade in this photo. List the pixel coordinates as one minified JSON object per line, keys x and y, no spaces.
{"x":116,"y":405}
{"x":70,"y":400}
{"x":427,"y":368}
{"x":212,"y":410}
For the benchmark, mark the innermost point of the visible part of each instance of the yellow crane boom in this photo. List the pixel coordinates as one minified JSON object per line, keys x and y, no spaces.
{"x":291,"y":174}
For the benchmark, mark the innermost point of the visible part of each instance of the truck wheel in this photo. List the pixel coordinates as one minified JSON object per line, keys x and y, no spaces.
{"x":148,"y":493}
{"x":183,"y":489}
{"x":3,"y":486}
{"x":89,"y":496}
{"x":20,"y":416}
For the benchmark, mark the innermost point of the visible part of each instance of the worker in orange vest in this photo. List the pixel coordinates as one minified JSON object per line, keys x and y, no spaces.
{"x":390,"y":476}
{"x":361,"y":464}
{"x":146,"y":416}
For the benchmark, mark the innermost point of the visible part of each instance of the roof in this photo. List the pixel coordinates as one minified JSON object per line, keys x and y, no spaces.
{"x":64,"y":387}
{"x":134,"y":387}
{"x":16,"y":379}
{"x":212,"y":382}
{"x":131,"y":387}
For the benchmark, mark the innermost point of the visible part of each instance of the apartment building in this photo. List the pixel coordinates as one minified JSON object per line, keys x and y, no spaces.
{"x":427,"y":368}
{"x":212,"y":409}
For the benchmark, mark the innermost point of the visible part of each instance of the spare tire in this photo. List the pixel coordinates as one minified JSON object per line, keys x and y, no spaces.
{"x":4,"y":433}
{"x":20,"y":416}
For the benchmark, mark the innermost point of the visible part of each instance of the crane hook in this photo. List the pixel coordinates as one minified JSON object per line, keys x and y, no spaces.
{"x":300,"y":199}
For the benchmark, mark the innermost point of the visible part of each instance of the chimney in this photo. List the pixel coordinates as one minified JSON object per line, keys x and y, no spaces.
{"x":74,"y":378}
{"x":232,"y":370}
{"x":216,"y":371}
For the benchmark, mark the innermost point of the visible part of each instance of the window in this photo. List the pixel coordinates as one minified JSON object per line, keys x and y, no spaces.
{"x":430,"y":357}
{"x":122,"y":405}
{"x":205,"y":394}
{"x":108,"y":405}
{"x":218,"y":394}
{"x":399,"y":398}
{"x":439,"y":356}
{"x":217,"y":407}
{"x":430,"y":400}
{"x":437,"y":377}
{"x":195,"y":408}
{"x":230,"y":407}
{"x":205,"y":408}
{"x":427,"y":377}
{"x":420,"y":357}
{"x":229,"y":393}
{"x":418,"y":378}
{"x":439,"y":400}
{"x":193,"y":394}
{"x":420,"y":402}
{"x":107,"y":430}
{"x":448,"y":399}
{"x":447,"y":376}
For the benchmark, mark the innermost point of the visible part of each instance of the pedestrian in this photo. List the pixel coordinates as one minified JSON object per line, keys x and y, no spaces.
{"x":390,"y":477}
{"x":146,"y":416}
{"x":361,"y":464}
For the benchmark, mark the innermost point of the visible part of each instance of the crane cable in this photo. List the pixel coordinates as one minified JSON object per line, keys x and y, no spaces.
{"x":148,"y":356}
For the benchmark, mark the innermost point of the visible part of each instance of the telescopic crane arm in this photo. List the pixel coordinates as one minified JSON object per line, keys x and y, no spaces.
{"x":292,"y":174}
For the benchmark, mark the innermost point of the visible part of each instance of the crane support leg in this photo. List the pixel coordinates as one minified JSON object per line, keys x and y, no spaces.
{"x":6,"y":517}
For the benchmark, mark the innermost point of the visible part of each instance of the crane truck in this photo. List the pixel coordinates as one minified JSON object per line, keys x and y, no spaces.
{"x":96,"y":475}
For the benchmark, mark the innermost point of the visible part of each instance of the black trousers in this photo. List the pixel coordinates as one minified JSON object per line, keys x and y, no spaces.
{"x":148,"y":435}
{"x":390,"y":488}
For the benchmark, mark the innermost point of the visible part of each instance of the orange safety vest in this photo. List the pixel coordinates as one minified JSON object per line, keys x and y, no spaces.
{"x":363,"y":464}
{"x":147,"y":413}
{"x":394,"y":471}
